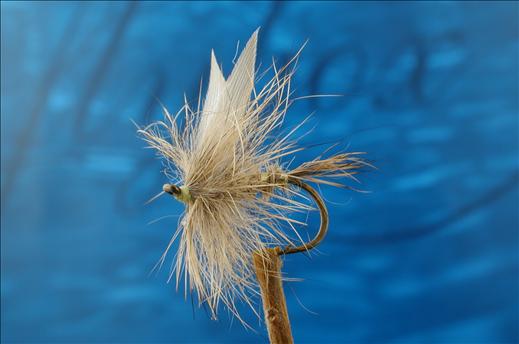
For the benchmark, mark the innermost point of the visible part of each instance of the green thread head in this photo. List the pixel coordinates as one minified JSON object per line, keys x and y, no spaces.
{"x":181,"y":193}
{"x":184,"y":195}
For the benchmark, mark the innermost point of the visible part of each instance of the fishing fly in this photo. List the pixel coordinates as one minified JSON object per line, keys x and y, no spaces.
{"x":224,"y":161}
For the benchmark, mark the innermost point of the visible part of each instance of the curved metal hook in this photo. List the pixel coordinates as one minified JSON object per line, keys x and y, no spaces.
{"x":323,"y":229}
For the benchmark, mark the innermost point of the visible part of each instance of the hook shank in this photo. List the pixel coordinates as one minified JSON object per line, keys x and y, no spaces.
{"x":182,"y":194}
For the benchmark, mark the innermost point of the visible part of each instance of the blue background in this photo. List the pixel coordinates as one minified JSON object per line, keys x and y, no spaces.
{"x":430,"y":255}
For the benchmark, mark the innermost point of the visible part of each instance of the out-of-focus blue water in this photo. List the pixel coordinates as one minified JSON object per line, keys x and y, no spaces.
{"x":430,"y":255}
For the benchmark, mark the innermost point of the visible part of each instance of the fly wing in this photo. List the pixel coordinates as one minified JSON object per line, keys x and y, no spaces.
{"x":240,"y":84}
{"x":226,"y":101}
{"x":214,"y":97}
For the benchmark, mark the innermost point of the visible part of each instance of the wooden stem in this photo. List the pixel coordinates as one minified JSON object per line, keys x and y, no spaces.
{"x":268,"y":272}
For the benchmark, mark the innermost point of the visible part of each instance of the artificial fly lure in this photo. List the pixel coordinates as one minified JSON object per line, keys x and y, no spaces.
{"x":225,"y":164}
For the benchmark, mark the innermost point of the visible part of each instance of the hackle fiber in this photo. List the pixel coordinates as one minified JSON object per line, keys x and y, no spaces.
{"x":228,"y":165}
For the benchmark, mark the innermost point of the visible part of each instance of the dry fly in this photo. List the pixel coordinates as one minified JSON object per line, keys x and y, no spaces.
{"x":225,"y":164}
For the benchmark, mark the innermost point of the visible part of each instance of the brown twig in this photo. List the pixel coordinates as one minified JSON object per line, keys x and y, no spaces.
{"x":268,"y":272}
